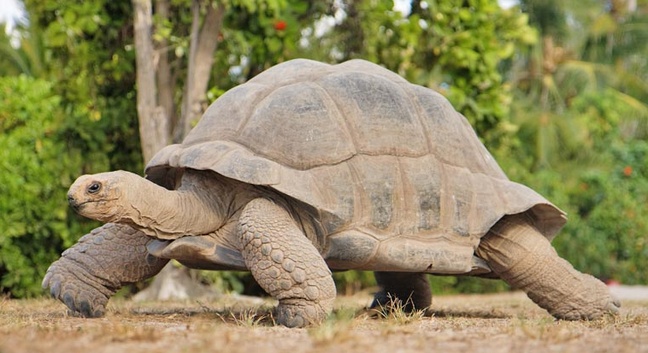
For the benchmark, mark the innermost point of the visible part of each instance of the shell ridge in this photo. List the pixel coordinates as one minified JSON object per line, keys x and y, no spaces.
{"x":301,"y":126}
{"x":419,"y":114}
{"x":445,"y":200}
{"x":372,"y":103}
{"x":313,"y":184}
{"x":370,"y":68}
{"x":344,"y":123}
{"x":401,"y":204}
{"x":472,"y":214}
{"x":243,"y":123}
{"x":358,"y":199}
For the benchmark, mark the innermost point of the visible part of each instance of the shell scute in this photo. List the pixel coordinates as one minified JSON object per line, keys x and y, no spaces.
{"x":378,"y":113}
{"x":299,"y":126}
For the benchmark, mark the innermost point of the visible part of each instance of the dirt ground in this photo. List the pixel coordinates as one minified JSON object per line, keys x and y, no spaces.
{"x":466,"y":323}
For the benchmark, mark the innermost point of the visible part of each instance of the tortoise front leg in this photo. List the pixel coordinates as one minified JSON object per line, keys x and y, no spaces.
{"x":411,"y":289}
{"x":285,"y":264}
{"x":104,"y":260}
{"x":525,"y":259}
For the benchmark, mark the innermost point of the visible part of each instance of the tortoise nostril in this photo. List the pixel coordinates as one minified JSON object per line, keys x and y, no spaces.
{"x":71,"y":200}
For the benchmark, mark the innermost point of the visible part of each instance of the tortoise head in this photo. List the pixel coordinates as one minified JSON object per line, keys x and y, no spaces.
{"x":101,"y":196}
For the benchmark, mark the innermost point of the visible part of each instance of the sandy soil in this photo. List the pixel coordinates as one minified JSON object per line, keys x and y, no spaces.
{"x":476,"y":323}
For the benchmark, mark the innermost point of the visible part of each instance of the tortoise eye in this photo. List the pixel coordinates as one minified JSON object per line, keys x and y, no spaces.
{"x":94,"y":188}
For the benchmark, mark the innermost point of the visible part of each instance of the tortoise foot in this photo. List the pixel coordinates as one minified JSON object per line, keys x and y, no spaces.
{"x":589,"y":300}
{"x":71,"y":284}
{"x":300,"y":314}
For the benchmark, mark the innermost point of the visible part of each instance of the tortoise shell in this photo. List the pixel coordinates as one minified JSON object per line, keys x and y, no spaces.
{"x":397,"y":178}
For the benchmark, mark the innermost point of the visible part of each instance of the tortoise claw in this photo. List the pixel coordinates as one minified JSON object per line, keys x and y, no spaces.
{"x":83,"y":299}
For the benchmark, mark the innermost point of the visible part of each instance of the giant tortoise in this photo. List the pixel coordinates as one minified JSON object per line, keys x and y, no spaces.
{"x":309,"y":168}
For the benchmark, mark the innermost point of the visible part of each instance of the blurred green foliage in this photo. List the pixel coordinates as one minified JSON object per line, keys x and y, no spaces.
{"x":556,"y":92}
{"x":37,"y":165}
{"x":582,"y":121}
{"x":66,"y":109}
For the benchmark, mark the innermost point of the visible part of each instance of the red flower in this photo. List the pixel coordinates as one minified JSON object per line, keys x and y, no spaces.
{"x":627,"y":171}
{"x":280,"y":25}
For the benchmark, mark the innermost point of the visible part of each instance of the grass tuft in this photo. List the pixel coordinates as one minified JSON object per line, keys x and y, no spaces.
{"x":396,"y":311}
{"x":251,"y":317}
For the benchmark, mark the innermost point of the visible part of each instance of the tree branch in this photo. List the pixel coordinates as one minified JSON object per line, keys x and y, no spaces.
{"x":204,"y":42}
{"x":165,"y":82}
{"x":153,"y":124}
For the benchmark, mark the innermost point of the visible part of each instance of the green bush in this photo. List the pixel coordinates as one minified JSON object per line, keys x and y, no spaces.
{"x":609,"y":226}
{"x":36,"y":167}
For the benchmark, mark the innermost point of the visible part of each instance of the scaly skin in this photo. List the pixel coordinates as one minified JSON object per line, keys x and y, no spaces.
{"x":286,"y":264}
{"x":410,"y":288}
{"x":91,"y":271}
{"x":525,"y":259}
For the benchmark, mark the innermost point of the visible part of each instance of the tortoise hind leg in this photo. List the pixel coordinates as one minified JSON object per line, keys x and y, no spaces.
{"x":525,"y":259}
{"x":411,"y":289}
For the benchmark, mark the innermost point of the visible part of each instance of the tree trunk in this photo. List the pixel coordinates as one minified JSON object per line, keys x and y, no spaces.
{"x":165,"y":82}
{"x":204,"y":42}
{"x":174,"y":283}
{"x":153,"y":123}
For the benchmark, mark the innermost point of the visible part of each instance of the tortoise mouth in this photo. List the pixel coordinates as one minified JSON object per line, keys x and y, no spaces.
{"x":75,"y":204}
{"x":77,"y":208}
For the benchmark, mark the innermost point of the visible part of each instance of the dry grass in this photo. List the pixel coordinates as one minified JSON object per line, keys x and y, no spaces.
{"x":486,"y":323}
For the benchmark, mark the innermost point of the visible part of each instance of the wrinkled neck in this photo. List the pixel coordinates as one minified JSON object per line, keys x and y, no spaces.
{"x":199,"y":207}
